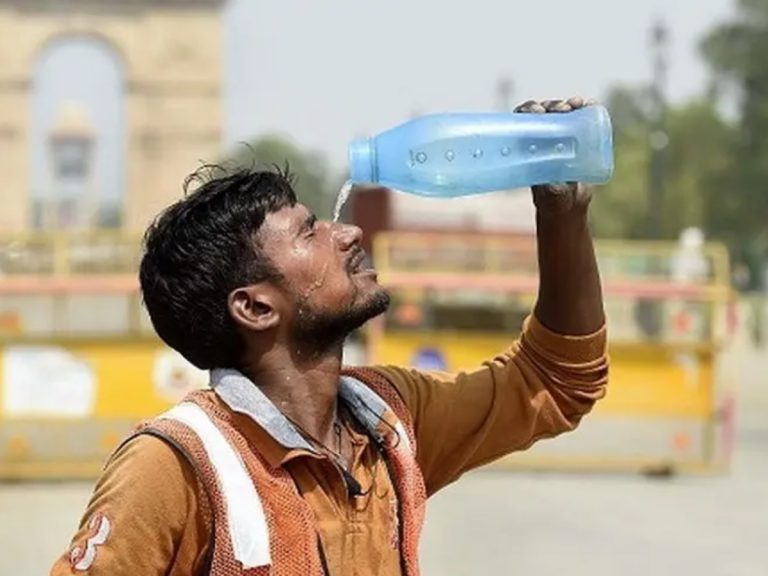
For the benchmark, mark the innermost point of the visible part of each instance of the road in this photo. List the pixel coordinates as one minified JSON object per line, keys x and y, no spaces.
{"x":501,"y":523}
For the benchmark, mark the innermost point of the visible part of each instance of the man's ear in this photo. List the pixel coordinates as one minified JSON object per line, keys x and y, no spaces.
{"x":254,"y":308}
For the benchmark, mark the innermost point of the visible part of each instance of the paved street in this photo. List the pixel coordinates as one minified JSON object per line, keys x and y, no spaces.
{"x":497,"y":523}
{"x":601,"y":526}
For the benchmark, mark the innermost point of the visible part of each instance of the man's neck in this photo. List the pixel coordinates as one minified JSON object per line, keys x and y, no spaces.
{"x":305,"y":391}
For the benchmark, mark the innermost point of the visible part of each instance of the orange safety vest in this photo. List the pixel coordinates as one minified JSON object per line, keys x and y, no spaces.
{"x":261,"y":524}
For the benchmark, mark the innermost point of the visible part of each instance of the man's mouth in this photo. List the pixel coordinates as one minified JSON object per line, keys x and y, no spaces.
{"x":359,"y":262}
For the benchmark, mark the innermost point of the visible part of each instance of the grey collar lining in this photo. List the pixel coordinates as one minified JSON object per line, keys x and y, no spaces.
{"x":244,"y":397}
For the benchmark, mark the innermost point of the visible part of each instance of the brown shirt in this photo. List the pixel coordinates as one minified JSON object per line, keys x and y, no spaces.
{"x":159,"y":519}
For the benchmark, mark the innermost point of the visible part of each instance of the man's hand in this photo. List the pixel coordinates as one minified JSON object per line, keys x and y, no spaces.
{"x":555,"y":199}
{"x":570,"y":297}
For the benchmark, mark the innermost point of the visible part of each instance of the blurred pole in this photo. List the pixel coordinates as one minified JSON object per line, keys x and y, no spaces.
{"x":504,"y":90}
{"x":659,"y":139}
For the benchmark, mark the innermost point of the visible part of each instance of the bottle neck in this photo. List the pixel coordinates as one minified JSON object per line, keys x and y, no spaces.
{"x":362,"y":161}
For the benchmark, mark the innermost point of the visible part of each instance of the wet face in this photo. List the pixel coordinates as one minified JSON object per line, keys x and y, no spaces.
{"x":326,"y":275}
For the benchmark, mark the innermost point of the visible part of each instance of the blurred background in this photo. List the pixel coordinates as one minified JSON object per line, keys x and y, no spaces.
{"x":105,"y":107}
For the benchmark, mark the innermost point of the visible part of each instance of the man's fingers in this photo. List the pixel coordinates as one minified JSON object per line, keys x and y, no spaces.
{"x":531,"y":106}
{"x":584,"y":193}
{"x":578,"y":102}
{"x":560,"y":189}
{"x":559,"y":198}
{"x":555,"y":105}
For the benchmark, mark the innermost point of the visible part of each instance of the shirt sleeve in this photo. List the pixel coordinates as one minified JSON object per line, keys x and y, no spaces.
{"x":145,"y":517}
{"x":538,"y":388}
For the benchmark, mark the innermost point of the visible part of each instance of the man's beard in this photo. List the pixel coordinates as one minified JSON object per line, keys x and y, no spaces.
{"x":316,"y":331}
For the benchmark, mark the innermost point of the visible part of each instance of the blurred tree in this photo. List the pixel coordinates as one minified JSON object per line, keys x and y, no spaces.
{"x":315,"y":184}
{"x":619,"y":208}
{"x":737,"y":51}
{"x":699,"y":162}
{"x":696,"y":167}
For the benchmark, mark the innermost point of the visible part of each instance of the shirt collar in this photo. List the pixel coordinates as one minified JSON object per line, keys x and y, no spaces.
{"x":241,"y":395}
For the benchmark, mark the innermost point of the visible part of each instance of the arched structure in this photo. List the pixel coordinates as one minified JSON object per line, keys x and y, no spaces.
{"x":171,"y":52}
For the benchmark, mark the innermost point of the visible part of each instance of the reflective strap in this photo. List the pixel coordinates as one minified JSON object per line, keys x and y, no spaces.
{"x":406,"y":442}
{"x":246,"y":521}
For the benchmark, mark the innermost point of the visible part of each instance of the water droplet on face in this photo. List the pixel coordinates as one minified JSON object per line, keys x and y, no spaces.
{"x":478,"y":153}
{"x":533,"y":149}
{"x":450,"y":155}
{"x":506,"y":151}
{"x":560,"y":148}
{"x":421,"y":157}
{"x":317,"y":284}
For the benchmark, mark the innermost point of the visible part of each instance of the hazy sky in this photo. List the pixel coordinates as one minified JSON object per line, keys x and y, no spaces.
{"x":323,"y":72}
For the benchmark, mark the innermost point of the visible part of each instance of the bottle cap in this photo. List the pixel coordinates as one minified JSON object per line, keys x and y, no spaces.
{"x":361,"y":161}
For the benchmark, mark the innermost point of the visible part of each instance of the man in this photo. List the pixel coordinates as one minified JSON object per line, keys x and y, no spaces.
{"x":290,"y":465}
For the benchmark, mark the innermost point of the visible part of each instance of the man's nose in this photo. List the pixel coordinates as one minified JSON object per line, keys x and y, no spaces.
{"x":348,"y":235}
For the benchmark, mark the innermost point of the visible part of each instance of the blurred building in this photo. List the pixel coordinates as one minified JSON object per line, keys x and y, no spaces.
{"x":70,"y":204}
{"x":171,"y":60}
{"x":378,"y":209}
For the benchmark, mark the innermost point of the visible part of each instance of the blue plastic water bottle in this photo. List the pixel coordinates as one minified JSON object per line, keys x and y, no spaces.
{"x":446,"y":155}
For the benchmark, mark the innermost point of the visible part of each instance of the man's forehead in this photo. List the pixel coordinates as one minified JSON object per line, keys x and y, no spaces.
{"x":286,"y":220}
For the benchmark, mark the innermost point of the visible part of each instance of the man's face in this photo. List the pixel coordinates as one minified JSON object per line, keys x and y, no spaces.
{"x":325,"y":273}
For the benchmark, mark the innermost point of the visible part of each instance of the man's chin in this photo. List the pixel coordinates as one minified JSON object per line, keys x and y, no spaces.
{"x":379,"y":302}
{"x":324,"y":329}
{"x":376,"y":303}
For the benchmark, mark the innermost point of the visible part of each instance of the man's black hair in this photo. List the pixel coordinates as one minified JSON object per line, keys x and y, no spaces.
{"x":203,"y":247}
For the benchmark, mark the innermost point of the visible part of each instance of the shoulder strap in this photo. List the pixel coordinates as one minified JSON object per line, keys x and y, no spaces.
{"x":246,"y":520}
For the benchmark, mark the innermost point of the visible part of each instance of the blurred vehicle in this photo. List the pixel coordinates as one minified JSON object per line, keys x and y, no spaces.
{"x":458,"y":299}
{"x":80,"y":364}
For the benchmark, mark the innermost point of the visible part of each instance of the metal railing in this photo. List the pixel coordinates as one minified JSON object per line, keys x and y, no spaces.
{"x":70,"y":285}
{"x":86,"y":283}
{"x":112,"y":253}
{"x":656,"y":268}
{"x":72,"y":254}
